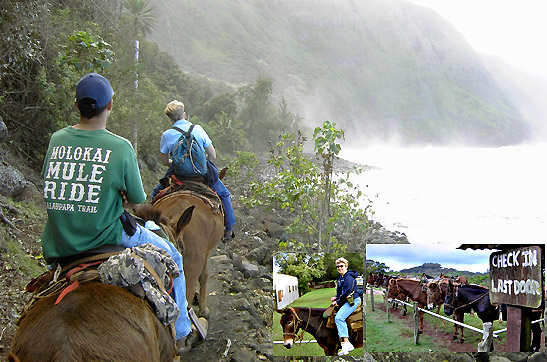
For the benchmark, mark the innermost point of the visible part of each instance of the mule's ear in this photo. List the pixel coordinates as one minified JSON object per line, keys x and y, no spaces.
{"x":13,"y":358}
{"x":222,"y":173}
{"x":185,"y":218}
{"x":280,"y":311}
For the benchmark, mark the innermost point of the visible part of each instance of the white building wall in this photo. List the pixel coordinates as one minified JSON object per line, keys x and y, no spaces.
{"x":286,"y":289}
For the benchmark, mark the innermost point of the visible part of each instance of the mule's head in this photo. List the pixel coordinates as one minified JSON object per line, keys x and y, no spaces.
{"x":433,"y":295}
{"x":290,"y":324}
{"x":449,"y":299}
{"x":379,"y":280}
{"x":393,"y":290}
{"x":372,"y":279}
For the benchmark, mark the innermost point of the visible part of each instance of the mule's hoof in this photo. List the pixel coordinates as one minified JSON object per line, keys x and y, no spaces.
{"x":420,"y":332}
{"x":204,"y":313}
{"x":228,"y":235}
{"x":461,"y":340}
{"x":454,"y":338}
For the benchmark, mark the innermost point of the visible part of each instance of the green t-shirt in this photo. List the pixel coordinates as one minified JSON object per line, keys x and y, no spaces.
{"x":84,"y":172}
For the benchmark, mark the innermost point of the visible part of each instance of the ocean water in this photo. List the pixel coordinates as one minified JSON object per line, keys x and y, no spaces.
{"x":457,"y":194}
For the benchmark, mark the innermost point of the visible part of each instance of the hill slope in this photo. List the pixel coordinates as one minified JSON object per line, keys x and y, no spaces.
{"x":379,"y":68}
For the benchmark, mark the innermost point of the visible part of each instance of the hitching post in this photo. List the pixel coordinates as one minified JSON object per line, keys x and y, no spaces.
{"x":416,"y":324}
{"x":372,"y":298}
{"x":387,"y":309}
{"x":484,"y":346}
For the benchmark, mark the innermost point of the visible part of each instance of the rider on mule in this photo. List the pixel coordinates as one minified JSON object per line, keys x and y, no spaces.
{"x":348,"y":299}
{"x":169,"y":139}
{"x":90,"y":174}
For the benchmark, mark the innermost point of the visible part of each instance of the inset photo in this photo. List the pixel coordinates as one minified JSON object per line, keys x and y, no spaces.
{"x":319,"y":304}
{"x":455,"y":297}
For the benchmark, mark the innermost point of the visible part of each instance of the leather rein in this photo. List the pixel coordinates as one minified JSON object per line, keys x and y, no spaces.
{"x":296,"y":322}
{"x":455,"y":294}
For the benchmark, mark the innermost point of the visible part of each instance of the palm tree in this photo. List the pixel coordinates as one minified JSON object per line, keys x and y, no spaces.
{"x":139,"y":16}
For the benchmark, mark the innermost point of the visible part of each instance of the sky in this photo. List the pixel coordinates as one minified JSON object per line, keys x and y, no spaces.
{"x":513,"y":30}
{"x":402,"y":256}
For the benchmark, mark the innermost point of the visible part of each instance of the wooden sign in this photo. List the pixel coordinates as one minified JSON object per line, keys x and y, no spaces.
{"x":515,"y":277}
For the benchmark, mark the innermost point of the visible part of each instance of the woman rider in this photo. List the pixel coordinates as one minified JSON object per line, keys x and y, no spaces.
{"x":345,"y":289}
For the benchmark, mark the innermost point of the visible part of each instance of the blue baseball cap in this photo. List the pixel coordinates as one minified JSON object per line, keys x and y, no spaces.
{"x":95,"y":87}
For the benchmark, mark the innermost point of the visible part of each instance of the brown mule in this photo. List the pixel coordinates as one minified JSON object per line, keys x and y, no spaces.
{"x":294,"y":319}
{"x":95,"y":322}
{"x":411,"y":288}
{"x":196,"y":241}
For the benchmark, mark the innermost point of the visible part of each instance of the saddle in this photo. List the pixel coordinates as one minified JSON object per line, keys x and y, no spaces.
{"x":354,"y":320}
{"x":96,"y":265}
{"x":194,"y":188}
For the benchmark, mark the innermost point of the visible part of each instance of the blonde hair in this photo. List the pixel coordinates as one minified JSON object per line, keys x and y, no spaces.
{"x":175,"y":110}
{"x":341,"y":260}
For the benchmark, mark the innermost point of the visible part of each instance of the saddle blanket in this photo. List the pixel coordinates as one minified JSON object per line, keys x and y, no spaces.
{"x":128,"y":269}
{"x":354,"y":320}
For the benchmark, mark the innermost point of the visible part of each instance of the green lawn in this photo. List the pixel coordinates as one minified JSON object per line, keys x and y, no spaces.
{"x":317,"y":299}
{"x":398,"y":336}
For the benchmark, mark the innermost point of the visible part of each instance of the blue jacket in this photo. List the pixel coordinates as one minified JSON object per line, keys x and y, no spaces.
{"x":346,"y":285}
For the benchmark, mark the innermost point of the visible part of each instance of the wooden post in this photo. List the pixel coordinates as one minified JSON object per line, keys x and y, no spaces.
{"x":484,"y":346}
{"x":387,"y":310}
{"x":416,"y":324}
{"x":518,"y":329}
{"x":372,"y":298}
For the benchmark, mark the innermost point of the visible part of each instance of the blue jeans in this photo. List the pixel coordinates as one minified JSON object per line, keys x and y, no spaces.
{"x":340,"y":318}
{"x":224,"y":195}
{"x":143,"y":236}
{"x":221,"y":191}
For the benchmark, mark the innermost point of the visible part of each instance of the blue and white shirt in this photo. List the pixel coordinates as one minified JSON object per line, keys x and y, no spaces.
{"x":170,"y":137}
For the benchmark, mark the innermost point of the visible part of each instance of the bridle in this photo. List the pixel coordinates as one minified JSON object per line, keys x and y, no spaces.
{"x":409,"y":293}
{"x":455,"y":295}
{"x":296,"y":325}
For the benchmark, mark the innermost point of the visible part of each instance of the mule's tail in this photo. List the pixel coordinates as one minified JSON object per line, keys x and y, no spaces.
{"x":13,"y":358}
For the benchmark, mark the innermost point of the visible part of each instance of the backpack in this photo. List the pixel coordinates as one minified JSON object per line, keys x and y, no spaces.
{"x":189,"y":157}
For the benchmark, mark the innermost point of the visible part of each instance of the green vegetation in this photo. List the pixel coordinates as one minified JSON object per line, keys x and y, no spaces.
{"x":14,"y":255}
{"x":349,"y":63}
{"x":398,"y":334}
{"x":41,"y":64}
{"x":316,"y":299}
{"x":431,"y":269}
{"x":18,"y":259}
{"x":375,"y":267}
{"x":317,"y":267}
{"x":327,"y":213}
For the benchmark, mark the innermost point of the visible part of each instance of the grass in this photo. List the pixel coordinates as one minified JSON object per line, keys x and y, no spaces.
{"x":16,"y":247}
{"x":317,"y":299}
{"x":396,"y":336}
{"x":18,"y":259}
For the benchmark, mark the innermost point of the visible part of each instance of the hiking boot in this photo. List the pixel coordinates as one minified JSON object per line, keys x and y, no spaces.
{"x":194,"y":338}
{"x":228,"y":235}
{"x":186,"y":343}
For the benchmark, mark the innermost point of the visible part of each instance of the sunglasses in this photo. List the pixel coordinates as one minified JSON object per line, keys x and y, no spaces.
{"x":340,"y":266}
